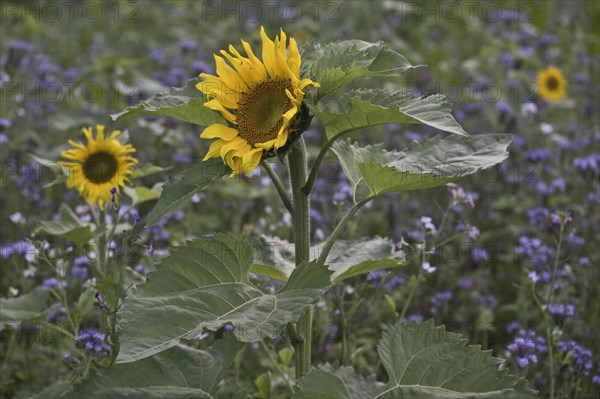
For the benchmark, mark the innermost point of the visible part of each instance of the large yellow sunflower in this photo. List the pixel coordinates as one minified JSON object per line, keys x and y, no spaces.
{"x":101,"y":166}
{"x":552,"y":84}
{"x":259,"y":99}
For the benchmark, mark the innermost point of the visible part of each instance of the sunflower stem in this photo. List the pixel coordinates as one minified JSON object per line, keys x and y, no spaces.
{"x":301,"y":220}
{"x":281,"y":190}
{"x":314,"y":171}
{"x":102,"y":244}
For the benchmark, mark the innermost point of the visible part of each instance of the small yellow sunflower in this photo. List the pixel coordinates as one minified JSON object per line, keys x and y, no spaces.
{"x":552,"y":84}
{"x":101,"y":166}
{"x":260,"y":100}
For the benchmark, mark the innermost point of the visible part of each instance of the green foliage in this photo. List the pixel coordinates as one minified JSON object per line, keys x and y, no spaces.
{"x":176,"y":193}
{"x":421,"y":361}
{"x":24,"y":307}
{"x":373,"y":171}
{"x":68,"y":226}
{"x":348,"y":258}
{"x":141,"y":194}
{"x":334,"y":65}
{"x":180,"y":372}
{"x":204,"y":285}
{"x":147,"y":169}
{"x":357,"y":109}
{"x":184,"y":103}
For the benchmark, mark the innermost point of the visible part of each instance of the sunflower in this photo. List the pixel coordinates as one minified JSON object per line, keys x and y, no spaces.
{"x":259,"y":99}
{"x":552,"y":84}
{"x":99,"y":169}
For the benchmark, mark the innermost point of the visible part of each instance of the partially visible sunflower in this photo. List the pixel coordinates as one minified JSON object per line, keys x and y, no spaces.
{"x":552,"y":84}
{"x":101,"y":166}
{"x":259,"y":99}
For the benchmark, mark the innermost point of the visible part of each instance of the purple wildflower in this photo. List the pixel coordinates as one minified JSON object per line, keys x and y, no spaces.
{"x":93,"y":341}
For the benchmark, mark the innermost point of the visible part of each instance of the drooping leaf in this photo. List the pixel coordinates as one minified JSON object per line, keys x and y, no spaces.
{"x":180,"y":372}
{"x":359,"y":109}
{"x":422,"y":362}
{"x":67,"y":226}
{"x":334,"y":65}
{"x":348,"y":258}
{"x":176,"y":193}
{"x":185,"y":103}
{"x":204,"y":285}
{"x":373,"y":171}
{"x":24,"y":307}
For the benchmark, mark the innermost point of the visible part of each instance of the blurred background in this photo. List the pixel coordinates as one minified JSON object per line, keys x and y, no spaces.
{"x":66,"y":65}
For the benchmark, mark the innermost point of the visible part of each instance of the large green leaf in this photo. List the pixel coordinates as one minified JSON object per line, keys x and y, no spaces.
{"x":180,"y":372}
{"x":177,"y":193}
{"x":67,"y":226}
{"x":204,"y":285}
{"x":373,"y":171}
{"x":24,"y":307}
{"x":348,"y":258}
{"x":327,"y":382}
{"x":185,"y":103}
{"x":321,"y":384}
{"x":334,"y":65}
{"x":359,"y":109}
{"x":422,"y":362}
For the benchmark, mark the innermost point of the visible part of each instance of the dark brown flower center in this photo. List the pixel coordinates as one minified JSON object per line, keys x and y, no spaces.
{"x":260,"y":110}
{"x":100,"y":167}
{"x":552,"y":83}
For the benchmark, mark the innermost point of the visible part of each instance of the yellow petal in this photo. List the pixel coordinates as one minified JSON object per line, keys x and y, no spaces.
{"x":215,"y":88}
{"x":218,"y":131}
{"x":100,"y":135}
{"x":217,"y":106}
{"x":234,"y":144}
{"x":114,"y":134}
{"x":257,"y":65}
{"x":242,"y":65}
{"x":87,"y":131}
{"x":229,"y":75}
{"x":76,"y":144}
{"x":266,"y":145}
{"x":269,"y":56}
{"x":294,"y":58}
{"x":282,"y":137}
{"x":251,"y":159}
{"x":215,"y":149}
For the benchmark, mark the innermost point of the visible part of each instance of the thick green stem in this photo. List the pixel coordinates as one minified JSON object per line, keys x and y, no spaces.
{"x":301,"y":220}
